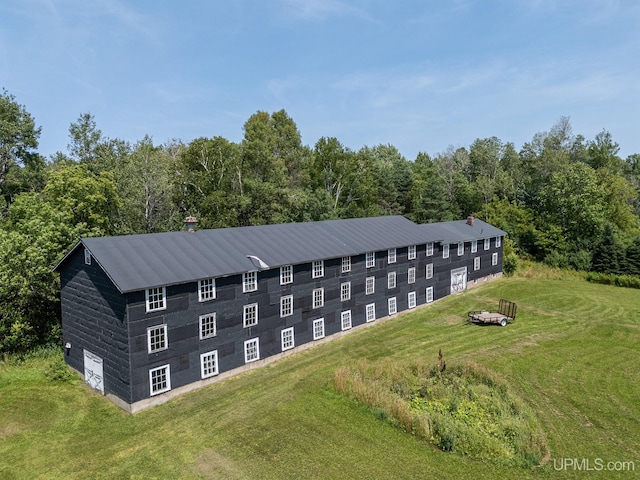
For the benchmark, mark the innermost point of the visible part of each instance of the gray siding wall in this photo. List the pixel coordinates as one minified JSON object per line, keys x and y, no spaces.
{"x":93,"y":318}
{"x":184,"y":309}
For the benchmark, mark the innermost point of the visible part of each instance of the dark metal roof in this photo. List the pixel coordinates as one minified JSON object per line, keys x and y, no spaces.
{"x":138,"y":262}
{"x":460,"y":231}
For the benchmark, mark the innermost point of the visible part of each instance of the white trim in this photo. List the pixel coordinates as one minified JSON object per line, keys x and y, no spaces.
{"x":320,"y":297}
{"x":286,"y":274}
{"x":165,"y":339}
{"x":371,"y":312}
{"x":255,"y":341}
{"x":245,"y":311}
{"x":208,"y":290}
{"x":391,"y":280}
{"x":346,"y":265}
{"x":411,"y":275}
{"x":250,"y":281}
{"x":167,"y":380}
{"x":476,"y":263}
{"x":487,"y":243}
{"x":460,"y":249}
{"x":345,"y":291}
{"x":345,"y":320}
{"x":370,"y":286}
{"x":208,"y":316}
{"x":429,"y":293}
{"x":317,"y":335}
{"x":474,"y":246}
{"x":391,"y":255}
{"x":392,"y":306}
{"x":206,"y":359}
{"x":286,"y":306}
{"x":162,"y":300}
{"x":290,"y":342}
{"x":411,"y":252}
{"x":445,"y":250}
{"x":317,"y":269}
{"x":371,"y":259}
{"x":411,"y":299}
{"x":429,"y":271}
{"x":429,"y":252}
{"x":494,"y":259}
{"x":87,"y":256}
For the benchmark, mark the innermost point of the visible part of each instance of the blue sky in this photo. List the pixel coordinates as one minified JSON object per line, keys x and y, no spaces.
{"x":420,"y":75}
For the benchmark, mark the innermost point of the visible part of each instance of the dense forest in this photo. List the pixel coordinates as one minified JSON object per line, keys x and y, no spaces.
{"x":569,"y":201}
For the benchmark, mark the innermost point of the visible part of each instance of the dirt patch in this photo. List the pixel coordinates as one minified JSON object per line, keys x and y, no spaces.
{"x":211,"y":464}
{"x":9,"y":429}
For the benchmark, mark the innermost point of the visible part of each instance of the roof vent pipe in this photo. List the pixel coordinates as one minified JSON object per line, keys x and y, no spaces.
{"x":190,"y":224}
{"x":470,"y":220}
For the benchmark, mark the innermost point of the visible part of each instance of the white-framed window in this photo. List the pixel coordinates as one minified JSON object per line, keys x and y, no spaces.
{"x":286,"y":306}
{"x":250,"y":315}
{"x":371,"y":312}
{"x":460,"y":249}
{"x":286,"y":274}
{"x":157,"y":338}
{"x":159,"y":380}
{"x":371,"y":259}
{"x":392,"y":305}
{"x":429,"y":272}
{"x":476,"y":263}
{"x":411,"y":298}
{"x":87,"y":256}
{"x":207,"y":326}
{"x":206,"y":289}
{"x":286,"y":339}
{"x":411,"y":275}
{"x":345,"y":320}
{"x":370,"y":286}
{"x":209,"y":364}
{"x":318,"y":297}
{"x":498,"y":242}
{"x":318,"y":328}
{"x":445,"y":250}
{"x":156,"y":299}
{"x":318,"y":269}
{"x":346,"y":264}
{"x":391,"y":280}
{"x":345,"y":291}
{"x":429,"y":249}
{"x":251,"y":350}
{"x":429,"y":294}
{"x":474,"y":246}
{"x":487,"y":243}
{"x":494,"y":258}
{"x":250,"y":281}
{"x":411,"y":252}
{"x":391,"y":255}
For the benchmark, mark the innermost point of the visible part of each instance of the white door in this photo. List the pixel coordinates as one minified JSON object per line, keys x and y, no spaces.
{"x":458,"y":280}
{"x":93,"y":371}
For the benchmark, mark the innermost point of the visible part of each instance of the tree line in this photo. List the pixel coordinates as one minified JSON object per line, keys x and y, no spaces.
{"x":563,"y":199}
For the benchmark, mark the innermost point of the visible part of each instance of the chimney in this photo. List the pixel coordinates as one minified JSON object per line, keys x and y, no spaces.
{"x":470,"y":220}
{"x":190,"y":224}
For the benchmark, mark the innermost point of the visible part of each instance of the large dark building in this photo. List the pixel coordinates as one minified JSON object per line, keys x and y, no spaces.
{"x":148,"y":317}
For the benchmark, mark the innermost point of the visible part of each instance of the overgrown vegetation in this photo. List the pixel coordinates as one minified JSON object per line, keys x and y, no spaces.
{"x":464,"y":408}
{"x":571,"y":358}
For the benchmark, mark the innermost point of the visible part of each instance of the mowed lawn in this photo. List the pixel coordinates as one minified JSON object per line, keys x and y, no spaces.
{"x":573,"y":355}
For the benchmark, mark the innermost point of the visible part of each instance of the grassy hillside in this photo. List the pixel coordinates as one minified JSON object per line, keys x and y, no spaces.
{"x":572,"y":356}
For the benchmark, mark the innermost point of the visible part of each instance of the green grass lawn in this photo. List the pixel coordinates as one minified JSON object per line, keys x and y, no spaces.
{"x":572,"y":355}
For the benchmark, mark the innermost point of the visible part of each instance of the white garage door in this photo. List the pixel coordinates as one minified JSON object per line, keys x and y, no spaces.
{"x":93,"y":371}
{"x":458,"y":280}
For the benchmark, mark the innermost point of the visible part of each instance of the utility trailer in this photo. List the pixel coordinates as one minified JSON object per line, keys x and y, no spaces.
{"x":506,"y":314}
